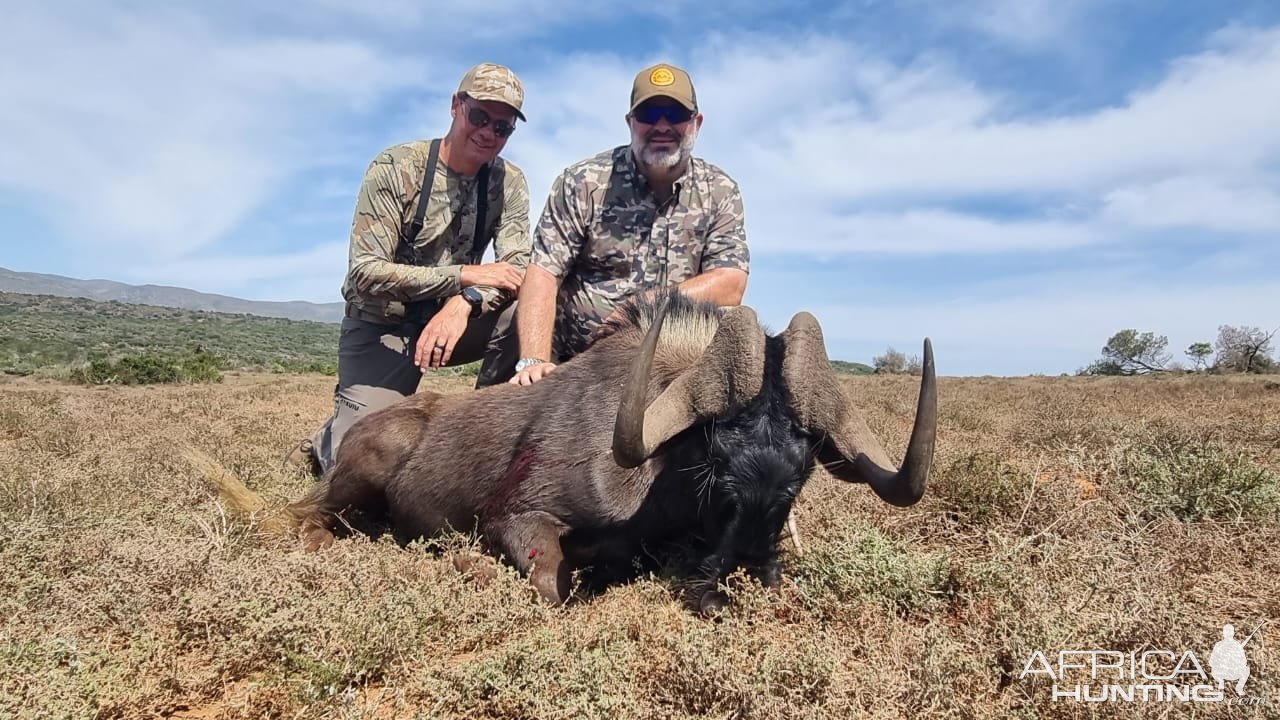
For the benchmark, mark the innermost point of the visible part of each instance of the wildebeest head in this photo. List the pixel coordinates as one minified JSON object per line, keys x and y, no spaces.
{"x":747,"y":422}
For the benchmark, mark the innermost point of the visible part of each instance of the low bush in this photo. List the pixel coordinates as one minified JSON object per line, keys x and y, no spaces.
{"x":150,"y":368}
{"x":1194,"y":479}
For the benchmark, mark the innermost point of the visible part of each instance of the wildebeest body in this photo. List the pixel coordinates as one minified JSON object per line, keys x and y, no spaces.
{"x":531,"y":468}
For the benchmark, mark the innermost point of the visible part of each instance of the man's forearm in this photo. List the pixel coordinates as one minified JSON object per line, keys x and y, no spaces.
{"x":380,"y":279}
{"x":536,"y":312}
{"x":722,"y":286}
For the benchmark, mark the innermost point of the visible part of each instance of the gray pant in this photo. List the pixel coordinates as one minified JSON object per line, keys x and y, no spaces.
{"x":376,"y":369}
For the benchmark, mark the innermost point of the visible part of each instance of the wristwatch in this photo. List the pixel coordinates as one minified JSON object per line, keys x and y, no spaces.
{"x":475,"y":299}
{"x":527,"y":362}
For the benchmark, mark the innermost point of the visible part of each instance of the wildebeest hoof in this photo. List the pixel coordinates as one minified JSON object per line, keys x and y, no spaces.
{"x":477,"y":569}
{"x":316,"y":538}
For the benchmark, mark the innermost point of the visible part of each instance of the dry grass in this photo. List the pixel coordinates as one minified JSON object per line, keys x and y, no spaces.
{"x":1063,"y":513}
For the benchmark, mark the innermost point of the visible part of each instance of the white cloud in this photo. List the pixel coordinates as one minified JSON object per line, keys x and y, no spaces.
{"x":1031,"y":24}
{"x":1250,"y":204}
{"x":155,"y":135}
{"x":921,"y":232}
{"x":816,"y":131}
{"x":1206,"y":114}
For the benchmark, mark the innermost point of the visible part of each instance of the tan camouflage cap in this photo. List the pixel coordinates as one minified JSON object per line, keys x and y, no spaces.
{"x":487,"y":81}
{"x":663,"y":80}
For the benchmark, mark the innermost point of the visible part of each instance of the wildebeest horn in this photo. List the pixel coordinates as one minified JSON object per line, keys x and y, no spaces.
{"x":851,"y":452}
{"x":726,"y":377}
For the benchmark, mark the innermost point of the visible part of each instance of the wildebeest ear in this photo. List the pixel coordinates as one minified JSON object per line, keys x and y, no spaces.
{"x":727,"y":376}
{"x":817,"y":398}
{"x":849,"y":449}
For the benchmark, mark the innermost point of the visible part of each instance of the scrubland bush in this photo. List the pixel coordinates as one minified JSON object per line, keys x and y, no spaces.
{"x":148,"y":369}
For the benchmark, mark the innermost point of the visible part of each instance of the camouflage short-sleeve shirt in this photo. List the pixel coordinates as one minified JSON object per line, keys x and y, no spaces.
{"x":386,"y":269}
{"x":606,"y":237}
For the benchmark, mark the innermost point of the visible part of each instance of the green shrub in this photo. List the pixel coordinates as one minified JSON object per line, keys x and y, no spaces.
{"x":981,"y":486}
{"x":290,"y":365}
{"x":865,"y":565}
{"x":150,"y":368}
{"x":1195,"y":479}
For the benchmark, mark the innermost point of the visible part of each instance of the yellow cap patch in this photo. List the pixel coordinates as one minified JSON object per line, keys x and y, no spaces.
{"x":661,"y":77}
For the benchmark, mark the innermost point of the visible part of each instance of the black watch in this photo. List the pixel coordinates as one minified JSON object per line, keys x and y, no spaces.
{"x":475,"y":299}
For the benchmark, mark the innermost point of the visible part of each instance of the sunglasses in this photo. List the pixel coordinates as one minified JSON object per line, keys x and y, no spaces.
{"x":651,"y":114}
{"x":479,"y":118}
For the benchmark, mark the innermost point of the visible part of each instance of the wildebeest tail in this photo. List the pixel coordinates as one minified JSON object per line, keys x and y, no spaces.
{"x":243,"y":500}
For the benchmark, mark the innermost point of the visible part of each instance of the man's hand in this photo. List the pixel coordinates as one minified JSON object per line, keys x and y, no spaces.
{"x":532,"y":374}
{"x":438,"y":338}
{"x":501,"y":275}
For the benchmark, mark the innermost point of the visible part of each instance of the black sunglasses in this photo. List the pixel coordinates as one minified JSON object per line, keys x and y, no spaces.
{"x":651,"y":114}
{"x":478,"y":117}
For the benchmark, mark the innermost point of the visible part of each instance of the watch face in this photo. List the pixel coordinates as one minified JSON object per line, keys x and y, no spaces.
{"x":475,"y":299}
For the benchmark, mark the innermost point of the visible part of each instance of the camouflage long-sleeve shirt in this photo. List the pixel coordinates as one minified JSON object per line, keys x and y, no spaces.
{"x":604,"y":234}
{"x":387,"y":270}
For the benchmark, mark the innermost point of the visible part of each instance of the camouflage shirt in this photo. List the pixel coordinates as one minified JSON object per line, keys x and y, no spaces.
{"x":604,"y":235}
{"x":386,"y":269}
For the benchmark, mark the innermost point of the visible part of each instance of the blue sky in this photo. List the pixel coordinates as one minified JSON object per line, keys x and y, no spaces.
{"x":1016,"y":179}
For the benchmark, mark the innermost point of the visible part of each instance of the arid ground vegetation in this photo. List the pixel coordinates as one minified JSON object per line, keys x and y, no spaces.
{"x":1128,"y":514}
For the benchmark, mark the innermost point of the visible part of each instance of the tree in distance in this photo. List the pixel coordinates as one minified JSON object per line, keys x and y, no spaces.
{"x":893,"y":362}
{"x":1130,"y":352}
{"x":1198,"y":353}
{"x":1243,"y":349}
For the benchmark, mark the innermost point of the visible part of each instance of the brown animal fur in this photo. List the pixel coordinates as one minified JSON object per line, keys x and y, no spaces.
{"x":523,"y":465}
{"x":538,"y":473}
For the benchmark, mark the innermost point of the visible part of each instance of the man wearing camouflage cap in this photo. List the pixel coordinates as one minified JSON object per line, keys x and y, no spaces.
{"x":417,"y":293}
{"x":628,"y":221}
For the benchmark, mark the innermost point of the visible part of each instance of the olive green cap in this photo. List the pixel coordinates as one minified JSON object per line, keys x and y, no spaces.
{"x":663,"y":80}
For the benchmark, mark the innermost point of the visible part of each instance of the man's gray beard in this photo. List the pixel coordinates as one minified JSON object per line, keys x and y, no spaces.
{"x":665,"y":159}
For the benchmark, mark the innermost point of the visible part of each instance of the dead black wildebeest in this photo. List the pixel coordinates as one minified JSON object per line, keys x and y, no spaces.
{"x":686,"y":424}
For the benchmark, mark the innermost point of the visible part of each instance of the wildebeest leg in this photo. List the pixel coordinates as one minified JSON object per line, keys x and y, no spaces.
{"x":769,"y":574}
{"x":532,"y":542}
{"x":343,"y":490}
{"x":314,"y":524}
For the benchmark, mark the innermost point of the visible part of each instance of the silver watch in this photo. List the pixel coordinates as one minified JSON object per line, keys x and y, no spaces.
{"x":527,"y":362}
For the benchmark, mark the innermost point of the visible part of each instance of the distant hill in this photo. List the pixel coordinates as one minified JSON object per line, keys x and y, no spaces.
{"x":43,"y":331}
{"x":12,"y":281}
{"x":164,"y":296}
{"x":852,"y":368}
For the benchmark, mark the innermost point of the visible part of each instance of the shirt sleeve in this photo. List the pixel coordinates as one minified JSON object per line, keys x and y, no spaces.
{"x":561,"y":230}
{"x":376,"y":233}
{"x":727,"y":234}
{"x":511,"y":241}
